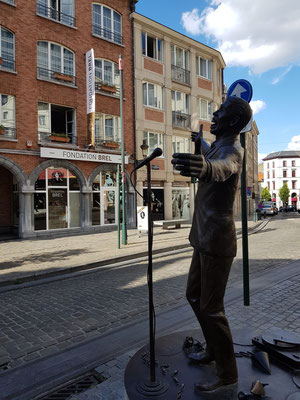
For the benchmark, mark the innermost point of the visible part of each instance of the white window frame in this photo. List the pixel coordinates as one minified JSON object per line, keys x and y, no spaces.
{"x":186,"y":102}
{"x":116,"y":127}
{"x":57,"y":9}
{"x":62,"y":61}
{"x":14,"y":48}
{"x":48,"y":128}
{"x":157,"y":58}
{"x":186,"y":55}
{"x":156,"y":89}
{"x":4,"y":121}
{"x":115,"y":68}
{"x":208,"y":67}
{"x":209,"y":109}
{"x":159,"y":143}
{"x":187,"y":143}
{"x":112,"y":11}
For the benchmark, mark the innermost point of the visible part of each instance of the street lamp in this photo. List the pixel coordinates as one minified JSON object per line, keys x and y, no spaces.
{"x":144,"y":147}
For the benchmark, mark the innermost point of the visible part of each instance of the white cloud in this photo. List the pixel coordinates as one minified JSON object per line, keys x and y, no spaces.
{"x":257,"y":34}
{"x":294,"y":143}
{"x":261,"y":156}
{"x":257,"y":106}
{"x":282,"y":75}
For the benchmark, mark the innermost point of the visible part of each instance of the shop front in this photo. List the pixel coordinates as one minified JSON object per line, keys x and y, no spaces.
{"x":181,"y":201}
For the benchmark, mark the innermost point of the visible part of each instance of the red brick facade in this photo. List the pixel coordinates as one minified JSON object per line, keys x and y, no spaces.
{"x":204,"y":84}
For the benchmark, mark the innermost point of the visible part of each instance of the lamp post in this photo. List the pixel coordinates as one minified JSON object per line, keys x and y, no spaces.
{"x":144,"y":147}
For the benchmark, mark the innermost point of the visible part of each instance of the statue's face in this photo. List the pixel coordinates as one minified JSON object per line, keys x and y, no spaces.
{"x":221,"y":121}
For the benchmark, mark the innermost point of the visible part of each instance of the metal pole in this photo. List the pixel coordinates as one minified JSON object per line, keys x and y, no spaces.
{"x":245,"y":226}
{"x":118,"y":203}
{"x":124,"y":231}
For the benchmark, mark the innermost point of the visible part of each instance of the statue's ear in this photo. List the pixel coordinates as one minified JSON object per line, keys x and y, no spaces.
{"x":234,"y":120}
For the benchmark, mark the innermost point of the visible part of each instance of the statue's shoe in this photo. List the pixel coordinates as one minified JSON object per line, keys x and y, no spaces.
{"x":210,"y":386}
{"x":203,"y":357}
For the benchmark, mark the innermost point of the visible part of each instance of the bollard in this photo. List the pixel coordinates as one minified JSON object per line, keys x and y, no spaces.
{"x":255,"y":216}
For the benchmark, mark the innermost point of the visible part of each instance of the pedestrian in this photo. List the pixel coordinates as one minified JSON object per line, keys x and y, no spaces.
{"x":213,"y":234}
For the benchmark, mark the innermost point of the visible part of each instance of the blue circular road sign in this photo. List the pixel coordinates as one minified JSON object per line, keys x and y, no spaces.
{"x":241,"y":88}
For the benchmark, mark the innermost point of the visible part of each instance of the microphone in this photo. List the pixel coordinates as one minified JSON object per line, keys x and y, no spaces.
{"x":156,"y":153}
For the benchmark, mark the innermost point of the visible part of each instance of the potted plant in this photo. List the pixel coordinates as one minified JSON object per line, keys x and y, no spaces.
{"x":110,"y":143}
{"x":2,"y":130}
{"x":63,"y":77}
{"x":108,"y":88}
{"x":59,"y":137}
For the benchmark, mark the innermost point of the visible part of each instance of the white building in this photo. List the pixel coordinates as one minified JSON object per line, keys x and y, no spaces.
{"x":283,"y":167}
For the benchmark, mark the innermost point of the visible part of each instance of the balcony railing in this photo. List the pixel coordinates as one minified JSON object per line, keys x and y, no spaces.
{"x":6,"y":62}
{"x":102,"y":87}
{"x":55,"y":76}
{"x":49,"y":12}
{"x":10,"y":133}
{"x":112,"y":144}
{"x":180,"y":74}
{"x":49,"y":137}
{"x":107,"y":34}
{"x":180,"y":119}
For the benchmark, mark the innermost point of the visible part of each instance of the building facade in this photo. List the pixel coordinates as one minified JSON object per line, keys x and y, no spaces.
{"x":52,"y":179}
{"x":283,"y":167}
{"x":178,"y":84}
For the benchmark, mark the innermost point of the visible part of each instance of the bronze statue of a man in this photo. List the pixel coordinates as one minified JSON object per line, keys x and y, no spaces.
{"x":213,"y":234}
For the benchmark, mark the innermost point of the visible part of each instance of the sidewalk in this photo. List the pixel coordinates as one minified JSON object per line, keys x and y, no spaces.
{"x":31,"y":259}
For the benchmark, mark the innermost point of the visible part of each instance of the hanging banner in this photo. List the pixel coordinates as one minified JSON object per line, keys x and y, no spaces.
{"x":90,"y":96}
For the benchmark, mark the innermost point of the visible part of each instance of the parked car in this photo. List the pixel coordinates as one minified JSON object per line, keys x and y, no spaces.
{"x":269,"y":208}
{"x":291,"y":207}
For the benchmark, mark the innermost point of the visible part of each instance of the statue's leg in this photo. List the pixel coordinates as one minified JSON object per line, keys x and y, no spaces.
{"x":214,"y":276}
{"x":193,"y":294}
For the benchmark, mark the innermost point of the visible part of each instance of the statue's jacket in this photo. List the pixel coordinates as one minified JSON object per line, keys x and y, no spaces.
{"x":213,"y":228}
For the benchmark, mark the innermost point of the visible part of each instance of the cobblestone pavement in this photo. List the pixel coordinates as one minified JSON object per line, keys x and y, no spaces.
{"x":40,"y":320}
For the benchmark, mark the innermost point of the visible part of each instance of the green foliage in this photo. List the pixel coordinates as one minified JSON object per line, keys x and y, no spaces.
{"x":284,"y":193}
{"x":265,"y":194}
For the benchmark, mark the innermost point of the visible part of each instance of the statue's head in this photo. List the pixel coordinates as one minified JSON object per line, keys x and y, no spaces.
{"x":231,"y":118}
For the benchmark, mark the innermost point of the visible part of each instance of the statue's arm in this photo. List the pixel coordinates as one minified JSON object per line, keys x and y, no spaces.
{"x":229,"y":163}
{"x":205,"y":146}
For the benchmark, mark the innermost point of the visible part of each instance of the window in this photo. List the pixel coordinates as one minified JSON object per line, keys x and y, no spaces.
{"x":107,"y":73}
{"x":273,"y":174}
{"x":152,"y":95}
{"x":107,"y":23}
{"x":268,"y":166}
{"x":7,"y":49}
{"x":293,"y":163}
{"x":273,"y":164}
{"x":55,"y":62}
{"x":204,"y":109}
{"x":293,"y":173}
{"x":284,"y":163}
{"x":284,"y":173}
{"x":58,"y":10}
{"x":7,"y":115}
{"x":268,"y":174}
{"x":154,"y":140}
{"x":152,"y":46}
{"x":268,"y":185}
{"x":56,"y":200}
{"x":181,"y":144}
{"x":180,"y":57}
{"x":181,"y":109}
{"x":203,"y":67}
{"x":56,"y":123}
{"x":273,"y":185}
{"x":294,"y":184}
{"x":107,"y":128}
{"x":9,"y":1}
{"x":104,"y":205}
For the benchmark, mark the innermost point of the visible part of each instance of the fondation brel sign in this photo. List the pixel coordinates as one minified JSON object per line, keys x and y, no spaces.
{"x":63,"y":154}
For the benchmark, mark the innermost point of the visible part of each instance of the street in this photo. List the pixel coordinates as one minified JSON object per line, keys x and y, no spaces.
{"x":41,"y":320}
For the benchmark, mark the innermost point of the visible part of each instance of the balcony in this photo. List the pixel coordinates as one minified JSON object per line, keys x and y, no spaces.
{"x":48,"y":137}
{"x":7,"y":132}
{"x":180,"y":75}
{"x":7,"y":62}
{"x":103,"y":87}
{"x":49,"y":12}
{"x":181,"y":120}
{"x":109,"y":144}
{"x":107,"y":34}
{"x":55,"y":76}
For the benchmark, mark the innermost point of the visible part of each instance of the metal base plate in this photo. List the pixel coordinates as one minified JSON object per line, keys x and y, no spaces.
{"x":170,"y":358}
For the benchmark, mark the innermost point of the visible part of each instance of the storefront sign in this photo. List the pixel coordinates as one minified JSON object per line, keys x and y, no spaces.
{"x":81,"y":156}
{"x":180,"y":184}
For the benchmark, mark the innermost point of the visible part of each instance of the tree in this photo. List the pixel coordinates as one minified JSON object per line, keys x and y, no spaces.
{"x":284,"y":193}
{"x":265,"y":194}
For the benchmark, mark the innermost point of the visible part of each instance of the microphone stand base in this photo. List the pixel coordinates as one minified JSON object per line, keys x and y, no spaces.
{"x":152,"y":389}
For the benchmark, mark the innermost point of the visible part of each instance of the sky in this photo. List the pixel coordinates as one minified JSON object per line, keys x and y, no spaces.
{"x":260,"y":42}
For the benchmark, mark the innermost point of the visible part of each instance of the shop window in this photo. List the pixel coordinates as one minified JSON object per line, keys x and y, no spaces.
{"x":55,"y":63}
{"x":181,"y":203}
{"x":152,"y":46}
{"x":107,"y":130}
{"x":204,"y":109}
{"x":104,"y":204}
{"x":154,"y":140}
{"x":56,"y":123}
{"x":58,"y":10}
{"x":7,"y":116}
{"x":107,"y":23}
{"x":181,"y":144}
{"x":152,"y":95}
{"x":107,"y":77}
{"x":7,"y":49}
{"x":56,"y":200}
{"x":203,"y":67}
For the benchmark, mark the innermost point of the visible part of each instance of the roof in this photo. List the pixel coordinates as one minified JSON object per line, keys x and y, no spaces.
{"x":282,"y":154}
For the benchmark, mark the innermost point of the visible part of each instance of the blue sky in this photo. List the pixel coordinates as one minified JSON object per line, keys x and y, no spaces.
{"x":259,"y":41}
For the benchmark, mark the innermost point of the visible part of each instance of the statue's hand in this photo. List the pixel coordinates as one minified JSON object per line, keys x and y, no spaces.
{"x":193,"y":165}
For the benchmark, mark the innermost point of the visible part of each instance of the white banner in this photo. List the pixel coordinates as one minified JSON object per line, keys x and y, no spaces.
{"x":64,"y":154}
{"x":142,"y":218}
{"x":90,"y":81}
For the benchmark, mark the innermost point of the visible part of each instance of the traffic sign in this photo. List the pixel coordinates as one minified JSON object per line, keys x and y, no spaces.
{"x":241,"y":88}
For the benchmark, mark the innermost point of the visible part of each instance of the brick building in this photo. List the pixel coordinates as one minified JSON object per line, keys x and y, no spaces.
{"x":52,"y":179}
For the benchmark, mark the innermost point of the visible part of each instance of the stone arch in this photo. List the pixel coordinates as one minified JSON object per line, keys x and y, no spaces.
{"x":58,"y":163}
{"x":15,"y":169}
{"x":101,"y":168}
